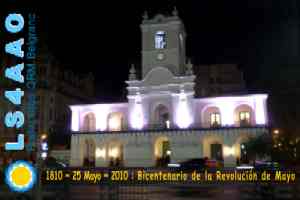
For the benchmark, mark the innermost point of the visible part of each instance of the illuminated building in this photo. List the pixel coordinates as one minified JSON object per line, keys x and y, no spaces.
{"x":162,"y":118}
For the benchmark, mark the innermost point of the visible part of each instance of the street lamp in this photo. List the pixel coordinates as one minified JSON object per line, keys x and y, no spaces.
{"x":44,"y":136}
{"x":43,"y":146}
{"x":168,"y":152}
{"x":276,"y":131}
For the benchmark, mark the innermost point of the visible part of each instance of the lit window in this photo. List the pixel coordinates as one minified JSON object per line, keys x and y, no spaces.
{"x":244,"y":118}
{"x":114,"y":123}
{"x":215,"y":119}
{"x":160,"y":40}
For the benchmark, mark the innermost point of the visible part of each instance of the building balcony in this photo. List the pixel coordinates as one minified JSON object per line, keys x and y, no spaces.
{"x":170,"y":127}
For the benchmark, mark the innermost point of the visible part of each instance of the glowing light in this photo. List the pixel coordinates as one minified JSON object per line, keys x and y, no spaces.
{"x":137,"y":121}
{"x":114,"y":123}
{"x":44,"y":136}
{"x":168,"y":152}
{"x":276,"y":131}
{"x":75,"y":119}
{"x":160,"y":38}
{"x":245,"y":167}
{"x":279,"y":144}
{"x":114,"y":152}
{"x":168,"y":123}
{"x":183,"y":119}
{"x":229,"y":151}
{"x":173,"y":165}
{"x":100,"y":153}
{"x":227,"y":111}
{"x":101,"y":116}
{"x":44,"y":146}
{"x":259,"y":109}
{"x":44,"y":155}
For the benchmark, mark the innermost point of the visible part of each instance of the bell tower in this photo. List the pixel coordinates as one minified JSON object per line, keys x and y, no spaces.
{"x":163,"y":43}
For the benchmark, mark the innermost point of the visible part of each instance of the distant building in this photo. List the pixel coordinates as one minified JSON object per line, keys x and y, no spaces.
{"x":57,"y":88}
{"x":218,"y":79}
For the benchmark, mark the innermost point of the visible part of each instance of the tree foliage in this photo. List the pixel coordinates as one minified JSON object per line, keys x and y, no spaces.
{"x":259,"y":147}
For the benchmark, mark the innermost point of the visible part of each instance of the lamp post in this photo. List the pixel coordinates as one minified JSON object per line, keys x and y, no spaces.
{"x":276,"y":131}
{"x":39,"y":167}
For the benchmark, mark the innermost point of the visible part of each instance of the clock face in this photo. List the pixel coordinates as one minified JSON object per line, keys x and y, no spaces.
{"x":160,"y":56}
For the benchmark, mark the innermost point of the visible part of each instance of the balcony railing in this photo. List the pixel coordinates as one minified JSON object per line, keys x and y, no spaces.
{"x":157,"y":127}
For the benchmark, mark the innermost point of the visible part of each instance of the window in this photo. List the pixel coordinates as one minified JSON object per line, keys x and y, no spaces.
{"x":115,"y":122}
{"x":244,"y":118}
{"x":216,"y":151}
{"x":165,"y":148}
{"x":160,"y":40}
{"x":162,"y":118}
{"x":215,"y":119}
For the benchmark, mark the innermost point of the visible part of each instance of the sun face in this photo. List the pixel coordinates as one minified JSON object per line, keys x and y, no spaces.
{"x":20,"y":176}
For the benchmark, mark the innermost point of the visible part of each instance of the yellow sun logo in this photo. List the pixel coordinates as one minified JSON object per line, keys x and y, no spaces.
{"x":20,"y":176}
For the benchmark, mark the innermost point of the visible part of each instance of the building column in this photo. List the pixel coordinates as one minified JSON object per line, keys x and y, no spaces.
{"x":75,"y":160}
{"x":227,"y":112}
{"x":75,"y":123}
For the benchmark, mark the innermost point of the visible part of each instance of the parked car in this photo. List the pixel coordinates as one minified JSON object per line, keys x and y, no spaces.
{"x":245,"y":167}
{"x":211,"y":163}
{"x":267,"y":165}
{"x":197,"y":164}
{"x":51,"y":162}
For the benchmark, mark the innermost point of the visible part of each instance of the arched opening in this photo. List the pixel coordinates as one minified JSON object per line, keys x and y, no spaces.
{"x":115,"y":121}
{"x":211,"y":117}
{"x":89,"y":123}
{"x":244,"y":116}
{"x":115,"y":153}
{"x":160,"y":40}
{"x":216,"y":151}
{"x":241,"y":149}
{"x":213,"y":147}
{"x":243,"y":154}
{"x":162,"y":116}
{"x":89,"y":153}
{"x":162,"y":151}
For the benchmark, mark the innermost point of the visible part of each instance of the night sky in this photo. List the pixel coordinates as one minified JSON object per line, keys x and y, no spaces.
{"x":104,"y":38}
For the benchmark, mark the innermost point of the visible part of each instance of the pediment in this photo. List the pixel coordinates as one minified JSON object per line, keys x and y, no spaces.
{"x":158,"y":76}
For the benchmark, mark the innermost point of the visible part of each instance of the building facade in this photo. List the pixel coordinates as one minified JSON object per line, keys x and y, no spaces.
{"x":58,"y":87}
{"x":162,"y":119}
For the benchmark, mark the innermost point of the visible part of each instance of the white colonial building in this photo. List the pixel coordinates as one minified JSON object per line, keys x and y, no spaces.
{"x":162,"y":118}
